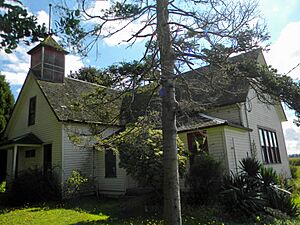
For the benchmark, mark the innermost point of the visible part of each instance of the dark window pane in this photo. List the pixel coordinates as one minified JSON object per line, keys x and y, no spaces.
{"x":32,"y":110}
{"x":30,"y":153}
{"x":110,"y":164}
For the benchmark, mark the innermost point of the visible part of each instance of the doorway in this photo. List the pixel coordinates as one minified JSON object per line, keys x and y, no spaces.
{"x":47,"y":159}
{"x":3,"y":165}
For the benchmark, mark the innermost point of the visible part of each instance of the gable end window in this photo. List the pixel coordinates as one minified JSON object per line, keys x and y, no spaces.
{"x":110,"y":164}
{"x":269,"y":146}
{"x":32,"y":111}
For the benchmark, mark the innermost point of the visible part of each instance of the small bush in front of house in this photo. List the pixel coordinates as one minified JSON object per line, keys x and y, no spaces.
{"x":204,"y":179}
{"x":32,"y":186}
{"x":2,"y":187}
{"x":255,"y":190}
{"x":74,"y":183}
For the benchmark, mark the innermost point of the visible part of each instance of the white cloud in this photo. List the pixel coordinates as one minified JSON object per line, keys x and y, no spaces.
{"x":73,"y":63}
{"x":43,"y":18}
{"x":119,"y":38}
{"x":284,"y":55}
{"x":291,"y":134}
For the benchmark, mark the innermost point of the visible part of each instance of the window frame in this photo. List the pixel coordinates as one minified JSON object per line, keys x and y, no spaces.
{"x":269,"y":146}
{"x":110,"y":161}
{"x":30,"y":153}
{"x":192,"y":146}
{"x":32,"y":111}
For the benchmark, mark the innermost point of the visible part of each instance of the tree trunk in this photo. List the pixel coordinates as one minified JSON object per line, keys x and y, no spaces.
{"x":172,"y":207}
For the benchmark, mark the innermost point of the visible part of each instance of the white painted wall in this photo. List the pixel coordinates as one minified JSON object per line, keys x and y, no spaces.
{"x":91,"y":162}
{"x":230,"y":113}
{"x":46,"y":126}
{"x":266,"y":116}
{"x":237,"y":145}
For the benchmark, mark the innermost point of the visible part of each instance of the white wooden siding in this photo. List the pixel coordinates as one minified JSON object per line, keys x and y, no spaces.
{"x":230,"y":113}
{"x":91,"y":162}
{"x":46,"y":126}
{"x":238,"y":147}
{"x":266,"y":116}
{"x":216,"y":144}
{"x":32,"y":162}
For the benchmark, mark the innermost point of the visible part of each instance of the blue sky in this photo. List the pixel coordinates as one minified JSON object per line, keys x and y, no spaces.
{"x":282,"y":18}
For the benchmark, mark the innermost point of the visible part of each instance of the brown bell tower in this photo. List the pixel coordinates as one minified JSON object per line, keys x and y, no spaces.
{"x":48,"y":60}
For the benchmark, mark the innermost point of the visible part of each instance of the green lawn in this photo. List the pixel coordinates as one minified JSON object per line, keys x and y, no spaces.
{"x":127,"y":211}
{"x":117,"y":212}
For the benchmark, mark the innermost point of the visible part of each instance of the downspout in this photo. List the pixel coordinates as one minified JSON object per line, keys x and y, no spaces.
{"x":247,"y":125}
{"x":234,"y":155}
{"x":247,"y":122}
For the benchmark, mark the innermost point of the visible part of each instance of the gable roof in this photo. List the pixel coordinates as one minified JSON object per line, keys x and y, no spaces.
{"x":203,"y":121}
{"x":26,"y":139}
{"x":67,"y":100}
{"x":200,"y":85}
{"x":195,"y":92}
{"x":49,"y":42}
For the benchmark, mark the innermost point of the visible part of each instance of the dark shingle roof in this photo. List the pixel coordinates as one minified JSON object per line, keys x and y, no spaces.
{"x":195,"y":92}
{"x":211,"y":87}
{"x":49,"y":42}
{"x":28,"y":138}
{"x":202,"y":121}
{"x":70,"y":101}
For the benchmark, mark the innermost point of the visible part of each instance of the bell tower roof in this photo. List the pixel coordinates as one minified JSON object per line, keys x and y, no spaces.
{"x":48,"y":60}
{"x":49,"y":42}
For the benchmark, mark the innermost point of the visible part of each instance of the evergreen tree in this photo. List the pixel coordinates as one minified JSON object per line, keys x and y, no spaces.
{"x":6,"y":103}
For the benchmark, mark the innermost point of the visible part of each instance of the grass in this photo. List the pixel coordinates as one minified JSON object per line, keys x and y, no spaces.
{"x":128,"y":211}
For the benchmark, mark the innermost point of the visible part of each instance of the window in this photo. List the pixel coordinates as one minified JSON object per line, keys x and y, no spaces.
{"x":197,"y":141}
{"x":30,"y":153}
{"x":31,"y":114}
{"x":269,"y":146}
{"x":110,"y":164}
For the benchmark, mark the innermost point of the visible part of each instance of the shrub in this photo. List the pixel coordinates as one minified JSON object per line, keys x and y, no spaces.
{"x":141,"y":155}
{"x":204,"y":179}
{"x":254,"y":189}
{"x":33,"y":186}
{"x":2,"y":187}
{"x":75,"y":183}
{"x":294,"y":172}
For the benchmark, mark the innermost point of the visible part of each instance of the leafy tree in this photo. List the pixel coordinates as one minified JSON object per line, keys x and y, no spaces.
{"x":141,"y":154}
{"x":17,"y":24}
{"x":180,"y":35}
{"x":124,"y":75}
{"x":6,"y":103}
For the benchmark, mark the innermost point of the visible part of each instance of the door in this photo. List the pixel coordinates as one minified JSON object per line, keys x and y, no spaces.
{"x":3,"y":164}
{"x":47,"y":159}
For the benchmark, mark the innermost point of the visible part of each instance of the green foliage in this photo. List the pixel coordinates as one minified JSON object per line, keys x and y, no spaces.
{"x":2,"y":187}
{"x":6,"y":103}
{"x":204,"y":179}
{"x":250,"y":166}
{"x":255,"y":189}
{"x":17,"y":24}
{"x":33,"y":186}
{"x":141,"y":154}
{"x":294,"y":161}
{"x":93,"y":75}
{"x":75,"y":183}
{"x":124,"y":75}
{"x":281,"y":86}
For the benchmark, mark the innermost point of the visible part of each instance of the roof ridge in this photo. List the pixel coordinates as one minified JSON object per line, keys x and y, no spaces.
{"x":83,"y":81}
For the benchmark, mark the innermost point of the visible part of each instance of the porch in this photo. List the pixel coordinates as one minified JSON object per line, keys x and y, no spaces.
{"x":19,"y":154}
